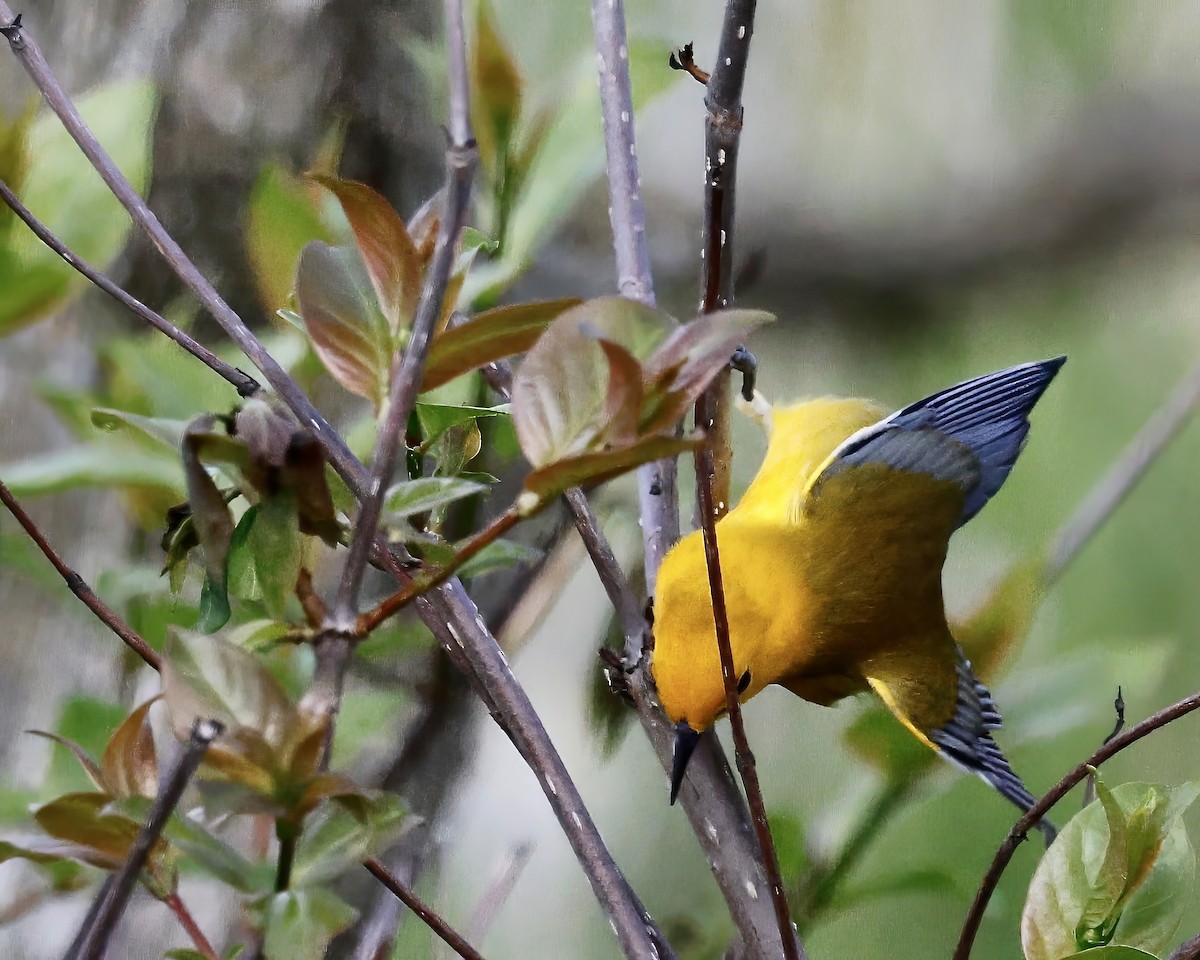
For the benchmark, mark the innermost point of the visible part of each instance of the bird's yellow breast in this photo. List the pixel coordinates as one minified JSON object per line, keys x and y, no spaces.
{"x":815,"y":590}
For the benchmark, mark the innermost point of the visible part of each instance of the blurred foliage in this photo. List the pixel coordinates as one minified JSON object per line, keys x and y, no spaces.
{"x":882,"y":854}
{"x":44,"y":167}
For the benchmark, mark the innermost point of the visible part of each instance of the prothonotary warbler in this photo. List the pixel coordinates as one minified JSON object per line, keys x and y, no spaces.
{"x":832,"y":564}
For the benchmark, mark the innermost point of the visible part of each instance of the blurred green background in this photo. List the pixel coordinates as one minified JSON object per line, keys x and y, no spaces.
{"x":938,"y":190}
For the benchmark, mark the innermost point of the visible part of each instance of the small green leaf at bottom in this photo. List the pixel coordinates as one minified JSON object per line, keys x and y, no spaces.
{"x":300,"y":924}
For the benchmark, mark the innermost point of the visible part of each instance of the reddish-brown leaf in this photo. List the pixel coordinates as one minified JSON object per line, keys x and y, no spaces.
{"x":490,"y":336}
{"x":348,"y":332}
{"x":130,"y":764}
{"x":592,"y":468}
{"x":687,"y":361}
{"x":388,"y":251}
{"x":560,"y":391}
{"x":623,"y":405}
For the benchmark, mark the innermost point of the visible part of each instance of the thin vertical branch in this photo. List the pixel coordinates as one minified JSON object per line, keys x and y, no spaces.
{"x":1123,"y":475}
{"x":93,"y":938}
{"x":722,"y":136}
{"x":461,"y":158}
{"x":78,"y":586}
{"x":1035,"y":813}
{"x":658,"y":495}
{"x":245,"y":384}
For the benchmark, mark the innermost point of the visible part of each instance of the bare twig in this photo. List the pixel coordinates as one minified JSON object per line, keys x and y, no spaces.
{"x":1189,"y":950}
{"x":245,"y":384}
{"x":657,"y":486}
{"x":78,"y":585}
{"x":23,"y":45}
{"x":1120,"y":478}
{"x":389,"y":605}
{"x":1089,"y":786}
{"x":722,"y":136}
{"x":1035,"y":813}
{"x":93,"y":938}
{"x":461,"y":157}
{"x":792,"y":948}
{"x":501,"y":887}
{"x":434,"y":921}
{"x":190,"y":927}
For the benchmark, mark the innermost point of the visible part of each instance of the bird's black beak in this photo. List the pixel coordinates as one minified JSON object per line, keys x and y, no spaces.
{"x":685,"y":744}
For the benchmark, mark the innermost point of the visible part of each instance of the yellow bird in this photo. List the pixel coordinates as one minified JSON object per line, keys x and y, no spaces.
{"x":832,"y":564}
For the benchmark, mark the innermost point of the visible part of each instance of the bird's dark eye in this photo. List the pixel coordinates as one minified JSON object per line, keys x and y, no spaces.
{"x":744,"y":682}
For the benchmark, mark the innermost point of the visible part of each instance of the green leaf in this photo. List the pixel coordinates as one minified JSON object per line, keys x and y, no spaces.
{"x":787,"y":831}
{"x":437,"y":418}
{"x":490,"y":336}
{"x":214,"y":606}
{"x":456,"y":447}
{"x":499,"y":555}
{"x":335,"y":840}
{"x":895,"y":884}
{"x":282,"y":216}
{"x":428,"y":493}
{"x":300,"y":924}
{"x":387,"y":250}
{"x":243,"y":574}
{"x":209,"y":677}
{"x":1120,"y":872}
{"x":90,"y":465}
{"x":347,"y":330}
{"x":569,"y":156}
{"x":210,"y":515}
{"x":159,"y":432}
{"x":496,"y":92}
{"x":62,"y":189}
{"x":277,"y":547}
{"x":217,"y":858}
{"x":1113,"y":953}
{"x":592,"y":468}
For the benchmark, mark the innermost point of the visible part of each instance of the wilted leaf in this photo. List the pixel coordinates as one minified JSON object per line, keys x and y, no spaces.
{"x":592,"y":468}
{"x":1098,"y":885}
{"x":84,"y":722}
{"x":490,"y":336}
{"x":456,"y":447}
{"x":130,"y":764}
{"x":427,"y":493}
{"x":347,"y":330}
{"x":387,"y":250}
{"x":334,"y":840}
{"x":300,"y":924}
